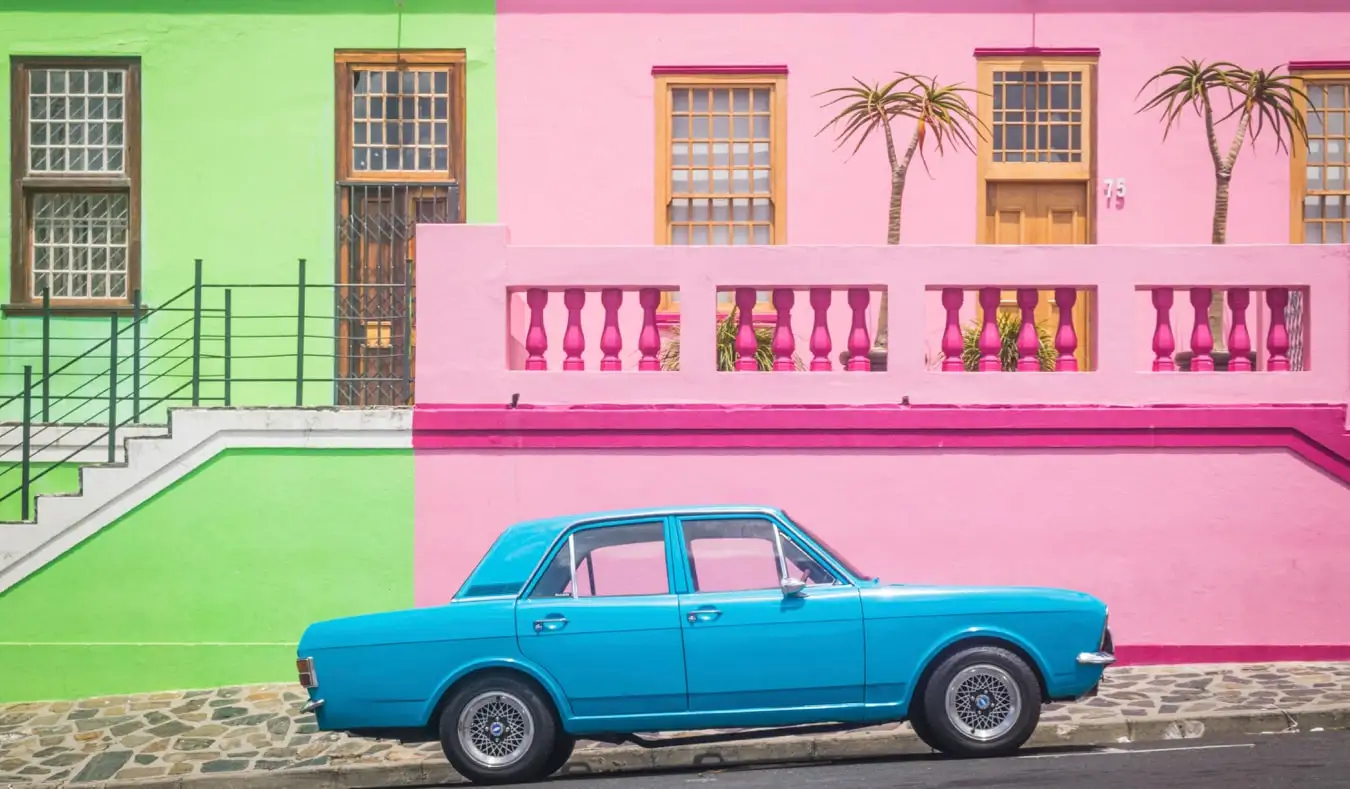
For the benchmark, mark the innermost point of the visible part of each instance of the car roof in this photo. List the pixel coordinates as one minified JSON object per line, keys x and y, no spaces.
{"x":512,"y":558}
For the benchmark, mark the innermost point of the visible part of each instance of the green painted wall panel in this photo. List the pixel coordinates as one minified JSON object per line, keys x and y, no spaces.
{"x":238,"y":166}
{"x":212,"y":581}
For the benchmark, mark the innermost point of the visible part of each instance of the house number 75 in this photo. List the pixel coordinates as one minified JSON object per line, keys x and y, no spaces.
{"x":1114,"y":187}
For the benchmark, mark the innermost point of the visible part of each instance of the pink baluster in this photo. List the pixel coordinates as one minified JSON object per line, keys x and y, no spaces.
{"x":574,"y":342}
{"x":991,"y":342}
{"x":611,"y":341}
{"x":1028,"y":340}
{"x":536,"y":339}
{"x":649,"y":340}
{"x":953,"y":343}
{"x":820,"y":333}
{"x":1202,"y":340}
{"x":1239,"y":341}
{"x":1066,"y":339}
{"x":1163,"y":342}
{"x":746,"y":341}
{"x":859,"y":342}
{"x":783,"y":342}
{"x":1277,"y":340}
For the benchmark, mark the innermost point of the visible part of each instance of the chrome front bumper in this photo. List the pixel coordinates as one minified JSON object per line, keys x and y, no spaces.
{"x":1096,"y":658}
{"x":311,"y":705}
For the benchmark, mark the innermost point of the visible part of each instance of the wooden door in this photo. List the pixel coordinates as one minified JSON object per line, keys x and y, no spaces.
{"x":1044,"y":213}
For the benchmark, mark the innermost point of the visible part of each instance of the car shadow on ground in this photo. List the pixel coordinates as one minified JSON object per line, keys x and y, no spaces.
{"x":712,"y":768}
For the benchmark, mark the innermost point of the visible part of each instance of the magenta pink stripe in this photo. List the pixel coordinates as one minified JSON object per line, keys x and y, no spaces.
{"x":658,"y":71}
{"x":1162,"y":655}
{"x":914,"y":6}
{"x":1315,"y":432}
{"x":1319,"y":65}
{"x":1050,"y":52}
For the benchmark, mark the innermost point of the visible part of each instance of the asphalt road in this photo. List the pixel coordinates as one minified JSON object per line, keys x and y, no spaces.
{"x":1258,"y":762}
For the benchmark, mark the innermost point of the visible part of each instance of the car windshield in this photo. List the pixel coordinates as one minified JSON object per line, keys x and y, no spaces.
{"x":824,"y":546}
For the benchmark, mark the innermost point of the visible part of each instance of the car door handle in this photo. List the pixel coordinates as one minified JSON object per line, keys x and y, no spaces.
{"x":550,"y":624}
{"x":703,"y":615}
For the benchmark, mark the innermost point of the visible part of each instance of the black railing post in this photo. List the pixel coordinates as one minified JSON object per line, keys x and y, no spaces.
{"x":112,"y":389}
{"x":300,"y":340}
{"x":46,"y":351}
{"x":197,"y":332}
{"x":227,"y":347}
{"x":136,"y":356}
{"x":407,"y":333}
{"x":26,"y":471}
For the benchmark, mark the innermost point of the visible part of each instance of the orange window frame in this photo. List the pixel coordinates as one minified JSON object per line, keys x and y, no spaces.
{"x":1298,"y":159}
{"x":665,"y":83}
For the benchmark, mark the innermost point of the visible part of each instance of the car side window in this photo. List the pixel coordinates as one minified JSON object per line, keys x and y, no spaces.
{"x":608,"y":561}
{"x":743,"y":554}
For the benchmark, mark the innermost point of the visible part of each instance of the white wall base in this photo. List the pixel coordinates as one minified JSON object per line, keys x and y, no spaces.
{"x":153,"y":462}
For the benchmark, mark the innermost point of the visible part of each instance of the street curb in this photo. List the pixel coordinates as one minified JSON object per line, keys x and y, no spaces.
{"x":820,"y":748}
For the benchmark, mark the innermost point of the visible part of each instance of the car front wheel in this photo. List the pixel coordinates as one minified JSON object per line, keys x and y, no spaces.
{"x":498,"y":730}
{"x":982,"y":701}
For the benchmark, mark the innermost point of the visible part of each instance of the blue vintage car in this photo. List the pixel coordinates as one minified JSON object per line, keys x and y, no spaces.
{"x":602,"y":625}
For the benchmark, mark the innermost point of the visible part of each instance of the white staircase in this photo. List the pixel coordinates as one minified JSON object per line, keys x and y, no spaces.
{"x":153,"y":457}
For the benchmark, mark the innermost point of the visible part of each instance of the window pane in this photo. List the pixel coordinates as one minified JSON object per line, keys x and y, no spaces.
{"x":611,"y":561}
{"x":1050,"y":133}
{"x":80,"y":245}
{"x":405,"y":115}
{"x":720,"y":145}
{"x":76,"y":118}
{"x":732,"y":555}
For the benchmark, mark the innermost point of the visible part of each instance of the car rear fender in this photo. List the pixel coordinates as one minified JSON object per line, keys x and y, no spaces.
{"x":519,"y":665}
{"x":974,"y":636}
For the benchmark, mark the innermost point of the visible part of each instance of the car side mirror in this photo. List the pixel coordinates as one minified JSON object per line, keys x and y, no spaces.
{"x":792,"y":587}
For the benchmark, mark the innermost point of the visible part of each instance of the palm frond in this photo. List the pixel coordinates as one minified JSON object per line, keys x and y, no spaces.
{"x":1184,"y":85}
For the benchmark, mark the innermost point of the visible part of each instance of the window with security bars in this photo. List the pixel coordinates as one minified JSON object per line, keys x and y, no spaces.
{"x":1037,"y":116}
{"x":400,"y":130}
{"x":721,"y":162}
{"x":75,"y":169}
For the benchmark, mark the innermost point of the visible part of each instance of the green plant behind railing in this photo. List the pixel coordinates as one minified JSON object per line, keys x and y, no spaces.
{"x":726,"y":346}
{"x":1009,"y":326}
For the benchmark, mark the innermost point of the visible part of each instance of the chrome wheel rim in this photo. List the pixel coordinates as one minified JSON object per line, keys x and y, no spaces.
{"x":983,"y":702}
{"x":496,"y":729}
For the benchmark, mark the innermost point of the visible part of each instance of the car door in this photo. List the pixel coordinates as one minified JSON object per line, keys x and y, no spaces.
{"x":603,"y":620}
{"x":748,"y":645}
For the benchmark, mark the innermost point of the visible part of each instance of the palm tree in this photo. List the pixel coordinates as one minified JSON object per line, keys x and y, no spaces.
{"x":1258,"y":98}
{"x":939,"y":112}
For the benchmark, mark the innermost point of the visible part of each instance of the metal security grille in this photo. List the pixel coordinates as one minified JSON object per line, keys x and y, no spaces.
{"x":376,"y":293}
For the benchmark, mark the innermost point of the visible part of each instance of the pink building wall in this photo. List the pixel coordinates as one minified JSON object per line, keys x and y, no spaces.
{"x":1201,"y":553}
{"x":575,"y":107}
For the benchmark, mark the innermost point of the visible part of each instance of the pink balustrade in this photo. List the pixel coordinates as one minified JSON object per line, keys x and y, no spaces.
{"x":591,"y":324}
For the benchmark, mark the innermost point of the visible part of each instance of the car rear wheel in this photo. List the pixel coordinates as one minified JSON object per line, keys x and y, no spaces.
{"x":982,"y":701}
{"x":562,"y":752}
{"x":499,"y":729}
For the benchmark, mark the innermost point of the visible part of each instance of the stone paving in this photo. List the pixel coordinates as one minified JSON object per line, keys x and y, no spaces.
{"x":258,"y":727}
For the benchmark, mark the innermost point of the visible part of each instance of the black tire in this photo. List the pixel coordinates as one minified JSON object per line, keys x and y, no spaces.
{"x":982,"y":665}
{"x":562,"y":752}
{"x":519,"y":701}
{"x":919,"y":723}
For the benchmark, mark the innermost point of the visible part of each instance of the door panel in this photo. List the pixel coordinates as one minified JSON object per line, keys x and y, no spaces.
{"x":749,"y":647}
{"x":604,"y":621}
{"x":611,"y":655}
{"x":1049,"y":213}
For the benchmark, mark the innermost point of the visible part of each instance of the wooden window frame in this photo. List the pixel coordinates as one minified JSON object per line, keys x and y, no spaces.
{"x":1298,"y":154}
{"x":347,"y":60}
{"x":778,"y":138}
{"x":23,"y":186}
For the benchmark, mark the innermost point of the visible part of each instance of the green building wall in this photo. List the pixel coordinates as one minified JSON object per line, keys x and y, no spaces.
{"x":237,"y":169}
{"x":212,"y":581}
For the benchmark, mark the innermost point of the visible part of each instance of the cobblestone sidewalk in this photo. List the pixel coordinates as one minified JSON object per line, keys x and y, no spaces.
{"x":259,"y":728}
